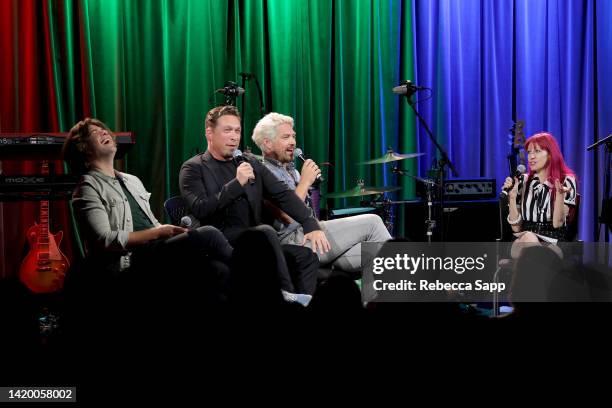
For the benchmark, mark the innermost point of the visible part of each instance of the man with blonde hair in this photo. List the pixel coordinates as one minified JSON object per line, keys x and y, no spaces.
{"x":275,"y":137}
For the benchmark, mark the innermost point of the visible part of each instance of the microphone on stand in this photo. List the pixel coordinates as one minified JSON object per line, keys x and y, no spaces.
{"x":231,"y":90}
{"x":407,"y":87}
{"x":239,"y":158}
{"x":520,"y":170}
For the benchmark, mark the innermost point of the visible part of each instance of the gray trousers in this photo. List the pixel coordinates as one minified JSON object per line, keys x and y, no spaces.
{"x":345,"y":236}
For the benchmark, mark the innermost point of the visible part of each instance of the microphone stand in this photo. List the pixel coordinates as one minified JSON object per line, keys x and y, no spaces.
{"x":245,"y":76}
{"x":262,"y":107}
{"x":441,"y":164}
{"x":606,"y":205}
{"x":430,"y":185}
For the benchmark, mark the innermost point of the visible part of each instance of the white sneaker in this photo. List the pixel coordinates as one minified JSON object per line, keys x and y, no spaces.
{"x":300,"y":298}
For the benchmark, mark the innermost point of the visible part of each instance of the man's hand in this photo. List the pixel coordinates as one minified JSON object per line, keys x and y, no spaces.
{"x":319,"y":241}
{"x":244,"y":173}
{"x":168,"y":231}
{"x":310,"y":171}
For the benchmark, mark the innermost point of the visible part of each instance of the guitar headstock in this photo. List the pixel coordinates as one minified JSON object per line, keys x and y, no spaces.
{"x":518,"y":131}
{"x":518,"y":139}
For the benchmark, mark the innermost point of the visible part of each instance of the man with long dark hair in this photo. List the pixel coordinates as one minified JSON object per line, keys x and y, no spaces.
{"x":122,"y":237}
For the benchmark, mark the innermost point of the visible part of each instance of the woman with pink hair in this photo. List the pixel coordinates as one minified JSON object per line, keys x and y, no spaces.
{"x":540,"y":200}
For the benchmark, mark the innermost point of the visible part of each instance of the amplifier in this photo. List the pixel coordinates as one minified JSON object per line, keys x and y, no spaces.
{"x":470,"y":189}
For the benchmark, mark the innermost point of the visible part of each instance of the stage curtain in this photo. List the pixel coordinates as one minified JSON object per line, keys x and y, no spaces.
{"x":151,"y":67}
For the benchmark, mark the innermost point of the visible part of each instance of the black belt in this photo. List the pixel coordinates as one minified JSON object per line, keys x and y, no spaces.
{"x":546,"y":229}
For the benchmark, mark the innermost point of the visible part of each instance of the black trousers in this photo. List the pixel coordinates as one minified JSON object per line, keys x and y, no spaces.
{"x":203,"y":241}
{"x":261,"y":261}
{"x":302,"y":268}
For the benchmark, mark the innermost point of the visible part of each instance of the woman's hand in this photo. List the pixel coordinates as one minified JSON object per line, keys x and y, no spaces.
{"x":509,"y":183}
{"x":560,"y":188}
{"x":560,"y":210}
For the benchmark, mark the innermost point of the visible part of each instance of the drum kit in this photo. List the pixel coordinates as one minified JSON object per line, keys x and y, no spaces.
{"x":361,"y":190}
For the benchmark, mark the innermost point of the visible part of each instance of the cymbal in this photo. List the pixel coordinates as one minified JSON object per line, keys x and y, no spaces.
{"x":391,"y":156}
{"x":361,"y":190}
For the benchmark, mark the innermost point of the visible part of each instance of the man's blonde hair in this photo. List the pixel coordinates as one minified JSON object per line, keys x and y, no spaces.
{"x":266,"y":128}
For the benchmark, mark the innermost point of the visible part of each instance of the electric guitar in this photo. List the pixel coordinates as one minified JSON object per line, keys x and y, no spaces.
{"x":44,"y":268}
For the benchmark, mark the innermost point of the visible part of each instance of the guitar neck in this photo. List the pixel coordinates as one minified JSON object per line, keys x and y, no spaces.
{"x":43,"y":219}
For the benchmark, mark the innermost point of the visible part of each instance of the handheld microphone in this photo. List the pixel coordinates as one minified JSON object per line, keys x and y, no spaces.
{"x":239,"y":158}
{"x":185,"y":222}
{"x":520,"y":170}
{"x":407,"y":87}
{"x":300,"y":155}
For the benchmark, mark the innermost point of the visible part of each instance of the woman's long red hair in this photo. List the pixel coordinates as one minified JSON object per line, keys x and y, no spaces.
{"x":557,"y":169}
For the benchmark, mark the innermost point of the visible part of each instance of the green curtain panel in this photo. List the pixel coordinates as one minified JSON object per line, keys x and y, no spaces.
{"x":153,"y":66}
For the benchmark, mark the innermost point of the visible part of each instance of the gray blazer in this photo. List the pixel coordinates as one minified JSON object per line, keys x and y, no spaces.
{"x":103,"y":211}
